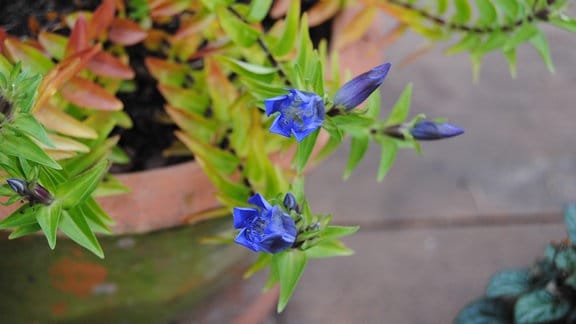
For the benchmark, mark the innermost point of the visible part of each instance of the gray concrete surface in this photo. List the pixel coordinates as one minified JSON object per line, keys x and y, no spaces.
{"x":439,"y":225}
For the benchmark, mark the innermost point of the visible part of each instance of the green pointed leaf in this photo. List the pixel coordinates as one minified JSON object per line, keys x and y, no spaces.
{"x":244,"y":67}
{"x":23,"y":216}
{"x":441,"y":6}
{"x":487,"y":12}
{"x":328,"y":249}
{"x":238,"y":31}
{"x":48,"y":218}
{"x":468,"y":42}
{"x":333,"y":232}
{"x":290,"y":265}
{"x":523,"y":34}
{"x":570,"y":221}
{"x":509,"y":283}
{"x":401,"y":109}
{"x":28,"y":124}
{"x":225,"y":162}
{"x":258,"y":10}
{"x":510,"y":56}
{"x":288,"y":38}
{"x":463,"y":12}
{"x":508,"y":7}
{"x":540,"y":306}
{"x":389,"y":150}
{"x":304,"y":151}
{"x":564,"y":22}
{"x":22,"y":146}
{"x":541,"y":44}
{"x":358,"y":148}
{"x":74,"y":225}
{"x":476,"y":60}
{"x":24,"y":230}
{"x":80,"y":187}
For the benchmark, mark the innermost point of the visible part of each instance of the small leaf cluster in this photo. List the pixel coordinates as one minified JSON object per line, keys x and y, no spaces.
{"x":542,"y":293}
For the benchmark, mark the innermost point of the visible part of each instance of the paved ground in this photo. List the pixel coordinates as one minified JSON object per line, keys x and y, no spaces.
{"x":439,"y":225}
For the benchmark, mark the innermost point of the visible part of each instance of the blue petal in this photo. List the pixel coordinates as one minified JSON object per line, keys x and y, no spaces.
{"x":244,"y":216}
{"x":275,"y":104}
{"x":280,"y":126}
{"x":355,"y":91}
{"x":259,"y":201}
{"x":243,"y":239}
{"x":19,"y":186}
{"x":300,"y":135}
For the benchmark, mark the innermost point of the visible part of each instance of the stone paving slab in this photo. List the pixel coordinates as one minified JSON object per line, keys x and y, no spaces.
{"x":517,"y":157}
{"x":412,"y":276}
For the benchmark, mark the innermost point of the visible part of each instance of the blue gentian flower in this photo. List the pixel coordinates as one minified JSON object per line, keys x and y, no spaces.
{"x":355,"y":91}
{"x":429,"y":130}
{"x":301,"y":113}
{"x":266,"y":228}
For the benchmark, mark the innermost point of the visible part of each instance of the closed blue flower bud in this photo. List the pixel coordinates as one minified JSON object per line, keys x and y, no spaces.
{"x":301,"y":113}
{"x":428,"y":130}
{"x":19,"y":186}
{"x":355,"y":91}
{"x":33,"y":193}
{"x":264,"y":229}
{"x":290,"y":202}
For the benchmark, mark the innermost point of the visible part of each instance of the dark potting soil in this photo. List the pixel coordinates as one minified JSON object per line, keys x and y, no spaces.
{"x":150,"y":135}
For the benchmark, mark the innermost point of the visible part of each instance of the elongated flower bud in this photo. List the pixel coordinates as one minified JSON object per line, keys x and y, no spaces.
{"x":355,"y":91}
{"x":428,"y":130}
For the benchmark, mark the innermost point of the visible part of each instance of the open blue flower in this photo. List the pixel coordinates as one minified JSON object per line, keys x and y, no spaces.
{"x":266,"y":228}
{"x":355,"y":91}
{"x":301,"y":113}
{"x":428,"y":130}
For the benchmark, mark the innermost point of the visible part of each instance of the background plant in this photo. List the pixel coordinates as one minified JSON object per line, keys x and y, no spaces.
{"x":541,"y":293}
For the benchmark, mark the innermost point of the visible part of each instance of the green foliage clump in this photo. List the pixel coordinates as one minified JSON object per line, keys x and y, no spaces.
{"x":542,"y":293}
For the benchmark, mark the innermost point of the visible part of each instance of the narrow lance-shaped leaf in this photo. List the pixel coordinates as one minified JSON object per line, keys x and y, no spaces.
{"x":304,"y":151}
{"x":238,"y":31}
{"x":48,"y":218}
{"x":358,"y":148}
{"x":401,"y":108}
{"x":79,"y":188}
{"x":290,"y":267}
{"x":541,"y":44}
{"x":22,"y":146}
{"x":74,"y":225}
{"x":288,"y":38}
{"x":389,"y":150}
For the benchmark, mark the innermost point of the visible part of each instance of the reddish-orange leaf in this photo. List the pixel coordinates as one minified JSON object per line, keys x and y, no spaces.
{"x":279,"y":8}
{"x":62,"y":73}
{"x":126,"y":32}
{"x":102,"y":18}
{"x":79,"y":38}
{"x":107,"y":65}
{"x":88,"y":94}
{"x":322,"y":11}
{"x":167,"y":8}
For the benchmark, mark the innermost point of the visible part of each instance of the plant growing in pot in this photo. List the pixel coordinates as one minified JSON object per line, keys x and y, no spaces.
{"x":244,"y":96}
